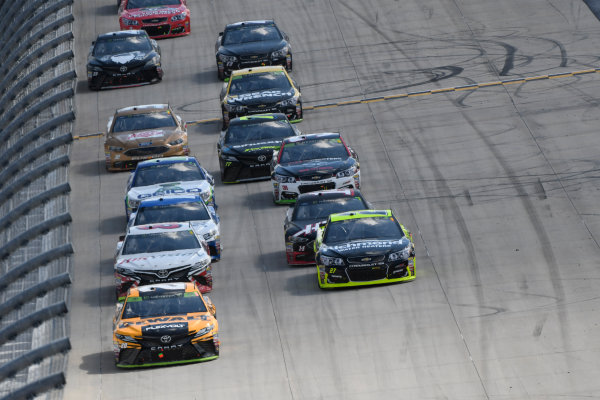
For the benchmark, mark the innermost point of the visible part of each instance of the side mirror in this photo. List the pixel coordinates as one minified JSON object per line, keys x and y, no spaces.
{"x":121,"y":238}
{"x":220,"y":33}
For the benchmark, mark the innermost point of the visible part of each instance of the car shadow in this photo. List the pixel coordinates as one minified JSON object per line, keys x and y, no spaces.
{"x":107,"y":9}
{"x":114,"y":225}
{"x":91,"y":168}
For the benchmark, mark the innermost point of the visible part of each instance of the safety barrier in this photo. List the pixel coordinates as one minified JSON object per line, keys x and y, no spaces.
{"x":37,"y":88}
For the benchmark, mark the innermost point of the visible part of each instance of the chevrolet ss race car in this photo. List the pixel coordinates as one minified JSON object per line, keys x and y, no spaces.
{"x":164,"y":324}
{"x":141,"y":133}
{"x":121,"y":59}
{"x":252,"y":44}
{"x":203,"y":219}
{"x":260,"y":90}
{"x":159,"y":18}
{"x":161,"y":253}
{"x":246,"y":148}
{"x":364,"y":247}
{"x":168,"y":177}
{"x":307,"y":163}
{"x":310,"y":211}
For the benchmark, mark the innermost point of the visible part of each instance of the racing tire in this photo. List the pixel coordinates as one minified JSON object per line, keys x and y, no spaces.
{"x":221,"y":74}
{"x":225,"y":124}
{"x":289,"y":67}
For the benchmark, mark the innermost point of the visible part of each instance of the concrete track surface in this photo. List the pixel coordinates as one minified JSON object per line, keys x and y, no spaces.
{"x":499,"y":186}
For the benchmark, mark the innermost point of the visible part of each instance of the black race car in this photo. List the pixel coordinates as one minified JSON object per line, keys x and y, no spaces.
{"x":252,"y":44}
{"x":364,"y":247}
{"x":312,"y":209}
{"x":307,"y":163}
{"x":246,"y":147}
{"x":124,"y":58}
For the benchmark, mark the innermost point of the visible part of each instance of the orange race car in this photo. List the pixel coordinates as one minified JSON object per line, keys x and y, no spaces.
{"x":163,"y":324}
{"x":143,"y":132}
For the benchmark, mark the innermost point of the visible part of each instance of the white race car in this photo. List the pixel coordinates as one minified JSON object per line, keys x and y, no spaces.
{"x":159,"y":253}
{"x":168,"y":177}
{"x":203,"y":219}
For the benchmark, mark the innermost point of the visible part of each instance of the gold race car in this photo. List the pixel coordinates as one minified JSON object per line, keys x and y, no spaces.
{"x":164,"y":324}
{"x":143,"y":132}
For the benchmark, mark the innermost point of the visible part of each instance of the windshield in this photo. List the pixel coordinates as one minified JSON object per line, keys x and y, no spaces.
{"x":161,"y":241}
{"x":322,"y":208}
{"x":275,"y":80}
{"x":163,"y":304}
{"x":161,"y":173}
{"x":331,"y":148}
{"x":133,"y":4}
{"x":121,"y":44}
{"x":250,"y":33}
{"x":136,"y":122}
{"x":376,"y":228}
{"x":258,"y":130}
{"x":192,"y":211}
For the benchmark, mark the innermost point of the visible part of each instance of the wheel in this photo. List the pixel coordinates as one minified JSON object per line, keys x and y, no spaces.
{"x":221,"y":74}
{"x":289,"y":64}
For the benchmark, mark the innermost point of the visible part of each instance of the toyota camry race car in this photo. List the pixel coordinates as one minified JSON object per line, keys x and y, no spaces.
{"x":364,"y":247}
{"x":310,"y":211}
{"x":203,"y":219}
{"x":260,"y":90}
{"x":125,"y":58}
{"x":307,"y":163}
{"x":168,"y":177}
{"x":252,"y":44}
{"x":246,"y":148}
{"x":171,"y":252}
{"x":164,"y":324}
{"x":159,"y":18}
{"x":141,"y":133}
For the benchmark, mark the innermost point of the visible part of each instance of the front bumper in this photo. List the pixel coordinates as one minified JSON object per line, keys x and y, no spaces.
{"x":110,"y":79}
{"x":253,"y":61}
{"x":286,"y":193}
{"x":333,"y":277}
{"x":299,"y":253}
{"x":164,"y":29}
{"x":203,"y":280}
{"x":293,"y":112}
{"x":120,"y":161}
{"x":244,"y":170}
{"x":150,"y":353}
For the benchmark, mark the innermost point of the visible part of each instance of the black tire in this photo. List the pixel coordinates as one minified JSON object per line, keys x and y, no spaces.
{"x":290,"y":67}
{"x":221,"y":74}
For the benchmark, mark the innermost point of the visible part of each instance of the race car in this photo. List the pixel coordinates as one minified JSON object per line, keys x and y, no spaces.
{"x":165,"y":324}
{"x":161,"y":253}
{"x":124,"y":58}
{"x":365,"y":247}
{"x":260,"y":90}
{"x":246,"y":148}
{"x":168,"y":177}
{"x":307,"y":163}
{"x":252,"y":44}
{"x":310,"y":211}
{"x":203,"y":219}
{"x":159,"y":18}
{"x":141,"y":133}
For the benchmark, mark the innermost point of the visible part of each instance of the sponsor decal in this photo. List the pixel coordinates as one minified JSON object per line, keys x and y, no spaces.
{"x":151,"y":328}
{"x":308,"y":229}
{"x":149,"y":12}
{"x":123,"y":58}
{"x":259,"y":95}
{"x":371,"y":244}
{"x":262,"y":148}
{"x":145,"y":135}
{"x":169,"y":189}
{"x":163,"y":348}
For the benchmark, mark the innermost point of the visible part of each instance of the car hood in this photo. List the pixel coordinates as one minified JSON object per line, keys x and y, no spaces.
{"x":306,"y":228}
{"x":172,"y":325}
{"x":260,"y":97}
{"x":370,"y":247}
{"x":132,"y":59}
{"x":169,"y":189}
{"x":164,"y":11}
{"x":320,"y":167}
{"x":159,"y":261}
{"x":253,"y":148}
{"x":142,"y":138}
{"x":246,"y":49}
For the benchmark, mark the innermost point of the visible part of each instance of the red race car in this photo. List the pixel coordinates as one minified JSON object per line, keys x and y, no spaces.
{"x":159,"y":18}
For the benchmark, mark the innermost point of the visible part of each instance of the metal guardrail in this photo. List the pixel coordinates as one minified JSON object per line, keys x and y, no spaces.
{"x":37,"y":87}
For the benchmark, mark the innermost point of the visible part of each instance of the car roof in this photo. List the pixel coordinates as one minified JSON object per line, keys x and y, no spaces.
{"x":159,"y":228}
{"x":257,"y":70}
{"x":258,"y":117}
{"x":161,"y":288}
{"x":142,"y":109}
{"x":329,"y":194}
{"x":166,"y":160}
{"x":312,"y":136}
{"x":128,"y":33}
{"x":162,"y":201}
{"x":254,"y":22}
{"x":360,"y":214}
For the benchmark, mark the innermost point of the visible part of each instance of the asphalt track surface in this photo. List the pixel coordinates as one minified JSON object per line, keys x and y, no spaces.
{"x":499,"y":185}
